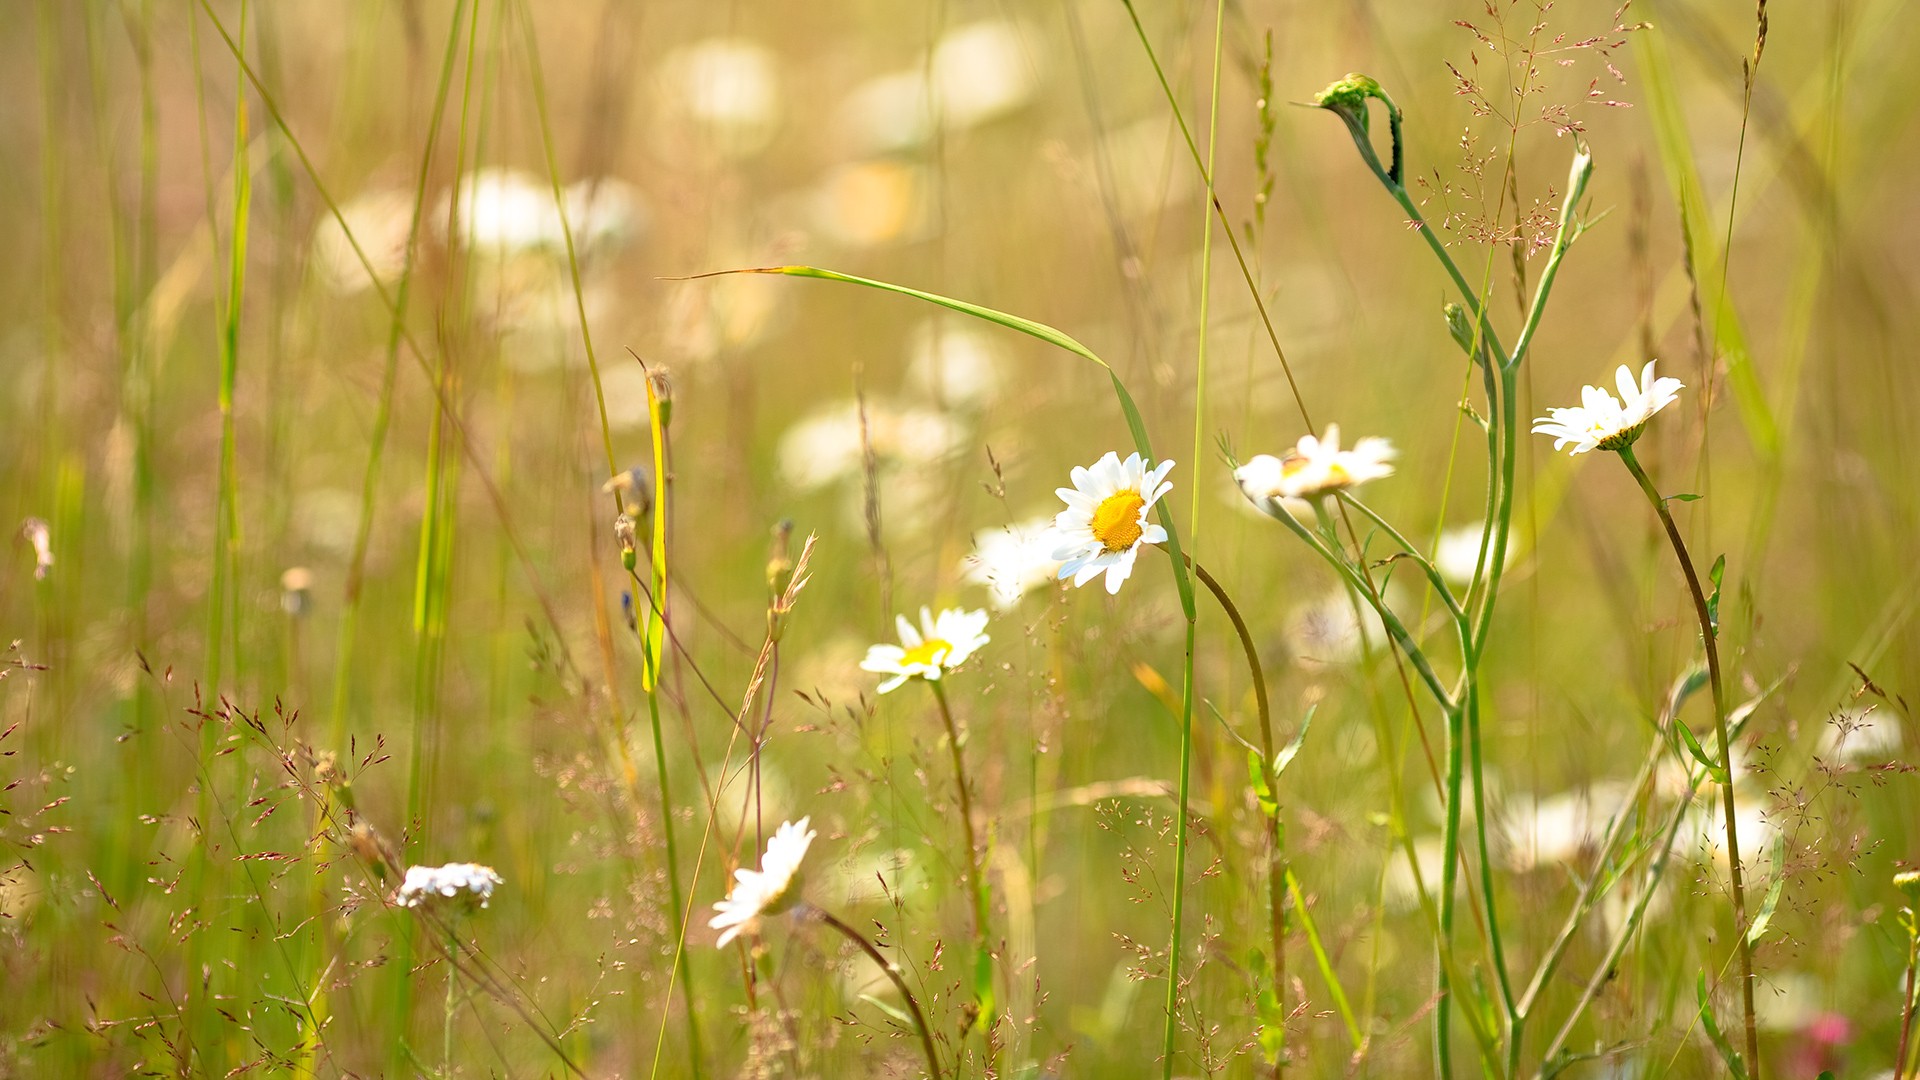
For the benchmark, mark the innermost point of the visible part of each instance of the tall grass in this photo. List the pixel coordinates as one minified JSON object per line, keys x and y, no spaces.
{"x":344,"y":357}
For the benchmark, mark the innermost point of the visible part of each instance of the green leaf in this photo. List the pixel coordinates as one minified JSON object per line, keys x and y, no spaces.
{"x":983,"y":984}
{"x":897,"y":1014}
{"x":1761,"y":920}
{"x":1292,"y":750}
{"x":1715,"y":575}
{"x":1684,"y":687}
{"x":1257,"y":775}
{"x":1685,"y":497}
{"x":1712,"y":1028}
{"x":1700,"y":754}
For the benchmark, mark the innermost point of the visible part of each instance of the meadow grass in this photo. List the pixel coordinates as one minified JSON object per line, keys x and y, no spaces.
{"x":470,"y":456}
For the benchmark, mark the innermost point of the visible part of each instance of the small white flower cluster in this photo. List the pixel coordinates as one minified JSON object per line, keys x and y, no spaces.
{"x":465,"y":882}
{"x":768,"y":890}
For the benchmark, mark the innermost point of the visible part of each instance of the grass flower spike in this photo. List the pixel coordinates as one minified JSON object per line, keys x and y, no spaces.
{"x":1603,"y":422}
{"x":768,"y":890}
{"x":1105,"y":521}
{"x":1314,"y":467}
{"x":939,"y":645}
{"x":468,"y":883}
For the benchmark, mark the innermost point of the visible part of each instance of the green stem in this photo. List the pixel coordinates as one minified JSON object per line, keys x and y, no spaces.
{"x":900,"y":984}
{"x":1709,"y":636}
{"x":976,"y":878}
{"x":1277,"y":871}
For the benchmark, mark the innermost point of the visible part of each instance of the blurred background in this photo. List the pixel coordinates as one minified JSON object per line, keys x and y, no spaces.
{"x":254,"y":519}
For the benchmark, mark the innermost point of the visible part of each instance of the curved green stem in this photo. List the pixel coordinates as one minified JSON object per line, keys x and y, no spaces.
{"x":1709,"y":635}
{"x":893,"y":974}
{"x":1277,"y":872}
{"x":976,"y":878}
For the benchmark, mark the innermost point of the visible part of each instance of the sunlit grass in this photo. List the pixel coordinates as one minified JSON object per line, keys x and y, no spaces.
{"x":406,"y":476}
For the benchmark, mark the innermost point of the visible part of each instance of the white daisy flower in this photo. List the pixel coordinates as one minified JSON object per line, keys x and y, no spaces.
{"x":1105,"y":522}
{"x":938,"y":646}
{"x":430,"y":884}
{"x":1012,"y":560}
{"x":1314,"y":467}
{"x":768,"y":890}
{"x":1604,"y":422}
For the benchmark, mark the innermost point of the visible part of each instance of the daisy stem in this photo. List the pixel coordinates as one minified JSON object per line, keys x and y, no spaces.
{"x":976,"y":877}
{"x":1708,"y":635}
{"x":1277,"y":872}
{"x":900,"y":984}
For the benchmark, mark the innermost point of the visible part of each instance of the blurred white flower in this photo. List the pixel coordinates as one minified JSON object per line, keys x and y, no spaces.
{"x":1459,"y":549}
{"x":826,"y":446}
{"x":1602,"y":422}
{"x":1314,"y":467}
{"x":1703,"y":836}
{"x":379,"y":222}
{"x":1105,"y":522}
{"x":729,"y":88}
{"x":1870,"y":736}
{"x":937,"y":646}
{"x":1013,"y":560}
{"x":977,"y":73}
{"x":504,"y":212}
{"x":36,"y":533}
{"x":1327,"y":630}
{"x":1401,"y":888}
{"x":1558,"y":829}
{"x":768,"y":890}
{"x":982,"y":72}
{"x":954,"y":363}
{"x":466,"y":883}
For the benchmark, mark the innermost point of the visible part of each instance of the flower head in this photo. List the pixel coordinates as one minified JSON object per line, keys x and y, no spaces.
{"x":1604,"y":422}
{"x":1013,"y":559}
{"x":768,"y":890}
{"x":1314,"y":467}
{"x":1105,"y":521}
{"x":939,"y":645}
{"x":454,"y":883}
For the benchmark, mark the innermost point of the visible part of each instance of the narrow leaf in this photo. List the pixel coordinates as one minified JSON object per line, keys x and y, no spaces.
{"x":1761,"y":920}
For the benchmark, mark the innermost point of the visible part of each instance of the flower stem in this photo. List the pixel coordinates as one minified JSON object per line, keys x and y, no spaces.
{"x":900,"y":984}
{"x":976,"y":879}
{"x":1277,"y":873}
{"x":1709,"y":636}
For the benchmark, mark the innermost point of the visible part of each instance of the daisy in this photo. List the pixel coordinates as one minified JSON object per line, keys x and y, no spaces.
{"x":1012,"y":560}
{"x":1105,"y":522}
{"x":1603,"y":422}
{"x":1314,"y":467}
{"x":938,"y":646}
{"x":768,"y":890}
{"x":430,"y":884}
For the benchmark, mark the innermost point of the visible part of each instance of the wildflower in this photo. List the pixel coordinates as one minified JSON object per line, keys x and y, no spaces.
{"x":381,"y":222}
{"x":296,"y":586}
{"x":1012,"y":560}
{"x":1603,"y":422}
{"x":34,"y":530}
{"x":829,"y":444}
{"x":728,"y":90}
{"x":938,"y":646}
{"x":1105,"y":522}
{"x":1328,"y":630}
{"x":768,"y":890}
{"x":1458,"y":552}
{"x":1314,"y":467}
{"x":430,"y":884}
{"x":953,"y":363}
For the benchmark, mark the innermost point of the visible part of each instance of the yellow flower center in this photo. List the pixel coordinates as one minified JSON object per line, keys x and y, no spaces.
{"x":1116,"y":521}
{"x":930,"y":651}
